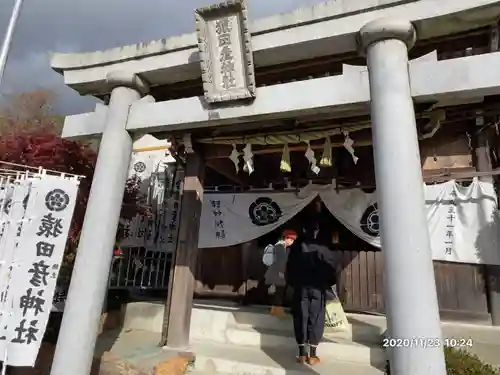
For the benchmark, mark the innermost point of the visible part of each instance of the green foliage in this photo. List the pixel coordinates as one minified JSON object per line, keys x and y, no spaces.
{"x":461,"y":362}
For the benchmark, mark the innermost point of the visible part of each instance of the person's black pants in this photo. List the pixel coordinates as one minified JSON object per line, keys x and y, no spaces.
{"x":308,"y":315}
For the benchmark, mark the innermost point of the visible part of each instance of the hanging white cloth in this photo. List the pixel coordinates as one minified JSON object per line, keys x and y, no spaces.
{"x":463,"y":221}
{"x":231,"y":219}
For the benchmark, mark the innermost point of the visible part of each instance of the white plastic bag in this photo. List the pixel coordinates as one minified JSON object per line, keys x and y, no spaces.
{"x":335,"y":318}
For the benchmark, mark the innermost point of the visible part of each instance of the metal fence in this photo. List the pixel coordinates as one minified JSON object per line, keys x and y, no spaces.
{"x":139,"y":268}
{"x":143,"y":263}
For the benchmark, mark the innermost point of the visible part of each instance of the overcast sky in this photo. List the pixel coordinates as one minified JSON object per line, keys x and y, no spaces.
{"x":90,"y":25}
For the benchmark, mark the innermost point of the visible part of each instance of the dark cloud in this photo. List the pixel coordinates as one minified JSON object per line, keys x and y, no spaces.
{"x":89,"y":25}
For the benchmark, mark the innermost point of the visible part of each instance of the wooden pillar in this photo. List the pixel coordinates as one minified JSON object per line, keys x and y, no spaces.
{"x":180,"y":301}
{"x":246,"y":249}
{"x":482,"y":161}
{"x":492,"y":272}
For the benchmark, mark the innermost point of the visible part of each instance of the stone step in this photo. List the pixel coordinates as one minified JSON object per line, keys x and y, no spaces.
{"x":234,"y":360}
{"x":355,"y":332}
{"x":208,"y":323}
{"x":338,"y":348}
{"x":210,"y":320}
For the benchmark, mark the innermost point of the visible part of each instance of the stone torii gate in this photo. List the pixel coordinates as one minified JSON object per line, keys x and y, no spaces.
{"x":389,"y":85}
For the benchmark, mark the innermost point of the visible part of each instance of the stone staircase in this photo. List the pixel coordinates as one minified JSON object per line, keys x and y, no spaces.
{"x":229,"y":339}
{"x":254,"y":342}
{"x":247,"y":360}
{"x":235,"y":340}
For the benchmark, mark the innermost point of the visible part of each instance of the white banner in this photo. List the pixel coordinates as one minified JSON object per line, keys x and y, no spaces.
{"x":35,"y":268}
{"x":230,"y":219}
{"x":170,"y":224}
{"x":145,"y":164}
{"x":13,"y":205}
{"x":462,"y":221}
{"x":158,"y":231}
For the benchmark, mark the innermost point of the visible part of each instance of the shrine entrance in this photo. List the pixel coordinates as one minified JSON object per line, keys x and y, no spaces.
{"x":236,"y":272}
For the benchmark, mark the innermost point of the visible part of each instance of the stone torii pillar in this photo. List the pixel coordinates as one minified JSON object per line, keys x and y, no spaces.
{"x":79,"y":328}
{"x":410,"y":288}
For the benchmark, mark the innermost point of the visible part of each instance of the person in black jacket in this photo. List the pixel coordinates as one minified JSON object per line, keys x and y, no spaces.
{"x":310,"y":271}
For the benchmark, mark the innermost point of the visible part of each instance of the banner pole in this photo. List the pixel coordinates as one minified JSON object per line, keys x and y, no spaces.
{"x":7,"y":41}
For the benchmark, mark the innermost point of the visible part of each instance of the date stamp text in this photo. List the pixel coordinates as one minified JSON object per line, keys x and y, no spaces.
{"x":426,"y":342}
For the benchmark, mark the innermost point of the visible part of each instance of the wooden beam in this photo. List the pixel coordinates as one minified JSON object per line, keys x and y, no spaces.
{"x":448,"y":174}
{"x":222,"y":167}
{"x":439,"y":176}
{"x":360,"y":138}
{"x":152,"y":148}
{"x":461,"y":176}
{"x":186,"y":254}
